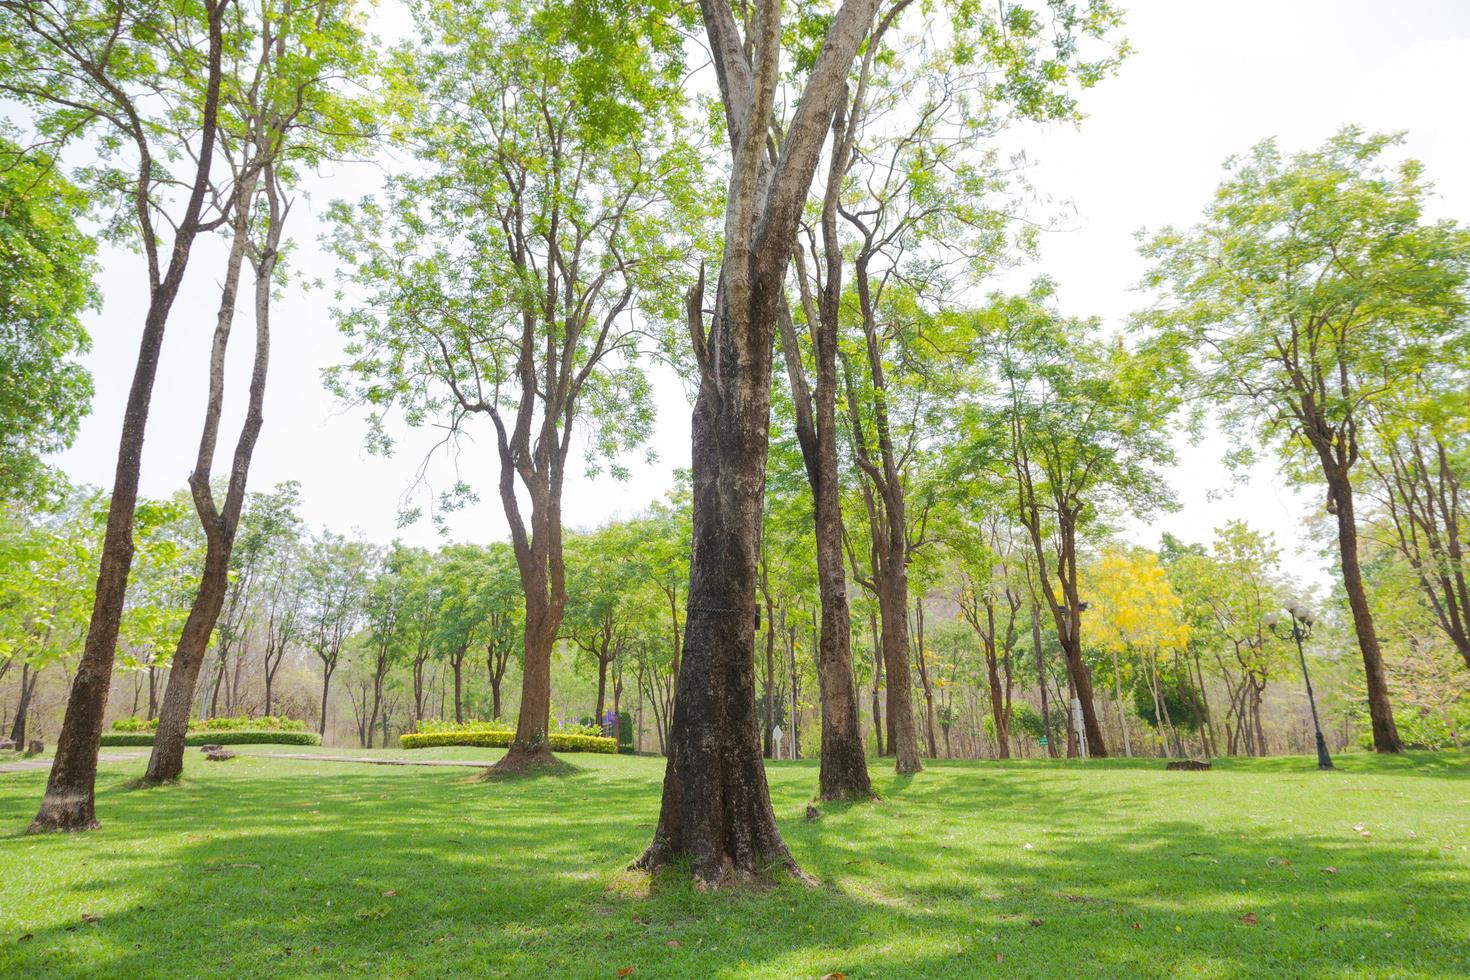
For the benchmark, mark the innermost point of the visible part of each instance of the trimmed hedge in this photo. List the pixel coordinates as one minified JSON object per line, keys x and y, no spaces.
{"x":499,"y":739}
{"x":217,"y":738}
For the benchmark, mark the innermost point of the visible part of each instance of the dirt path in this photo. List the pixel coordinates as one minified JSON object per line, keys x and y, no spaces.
{"x":27,"y":765}
{"x":471,"y":763}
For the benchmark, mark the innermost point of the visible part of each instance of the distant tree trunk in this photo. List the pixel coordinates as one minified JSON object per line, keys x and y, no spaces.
{"x":601,"y":690}
{"x":844,"y":772}
{"x":1118,"y":698}
{"x":456,"y":663}
{"x":877,"y":684}
{"x":924,"y":680}
{"x":28,"y":679}
{"x":69,"y":803}
{"x":326,"y":687}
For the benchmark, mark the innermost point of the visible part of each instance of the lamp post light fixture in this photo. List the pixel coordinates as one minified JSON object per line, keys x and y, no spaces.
{"x":1300,"y":629}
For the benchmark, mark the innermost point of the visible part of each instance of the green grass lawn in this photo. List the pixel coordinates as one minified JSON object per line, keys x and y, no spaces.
{"x":270,"y":867}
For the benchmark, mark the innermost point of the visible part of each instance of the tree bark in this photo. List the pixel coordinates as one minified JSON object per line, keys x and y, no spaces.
{"x":166,"y":761}
{"x":716,"y":807}
{"x":69,"y":803}
{"x":28,"y":678}
{"x":1380,"y":709}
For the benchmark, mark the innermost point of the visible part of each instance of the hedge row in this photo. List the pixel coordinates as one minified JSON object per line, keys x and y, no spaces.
{"x":499,"y":739}
{"x":217,"y":738}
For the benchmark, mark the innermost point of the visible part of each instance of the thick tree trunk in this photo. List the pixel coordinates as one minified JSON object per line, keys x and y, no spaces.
{"x":531,"y":747}
{"x":716,"y":806}
{"x":1380,"y":709}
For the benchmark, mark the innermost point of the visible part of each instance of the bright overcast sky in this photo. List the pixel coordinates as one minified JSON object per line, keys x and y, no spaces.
{"x":1206,"y":80}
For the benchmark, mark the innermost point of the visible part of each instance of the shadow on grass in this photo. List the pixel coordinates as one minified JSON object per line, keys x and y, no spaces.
{"x":276,"y":867}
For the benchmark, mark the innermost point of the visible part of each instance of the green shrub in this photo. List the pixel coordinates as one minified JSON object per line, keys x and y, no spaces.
{"x":481,"y":735}
{"x":117,"y":739}
{"x":266,"y":723}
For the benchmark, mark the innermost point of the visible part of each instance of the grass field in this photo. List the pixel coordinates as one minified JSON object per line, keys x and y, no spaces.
{"x":272,"y":867}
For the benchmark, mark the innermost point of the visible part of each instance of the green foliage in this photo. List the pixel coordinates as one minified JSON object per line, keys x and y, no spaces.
{"x":230,"y":737}
{"x":1312,"y":287}
{"x":46,"y":270}
{"x":1178,"y":699}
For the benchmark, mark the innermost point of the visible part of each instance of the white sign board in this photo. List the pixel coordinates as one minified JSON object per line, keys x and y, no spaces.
{"x":776,"y":736}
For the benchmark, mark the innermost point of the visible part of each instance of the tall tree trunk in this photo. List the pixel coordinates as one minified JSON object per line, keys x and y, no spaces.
{"x":1380,"y":710}
{"x":716,"y":807}
{"x":69,"y":803}
{"x":166,"y":762}
{"x":844,"y":772}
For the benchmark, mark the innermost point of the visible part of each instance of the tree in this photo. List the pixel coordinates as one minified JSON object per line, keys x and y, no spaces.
{"x":1419,"y":454}
{"x":1226,"y":594}
{"x":609,"y":586}
{"x":131,"y":78}
{"x":1079,"y":428}
{"x":46,"y":269}
{"x":46,"y":562}
{"x":503,"y":279}
{"x":1135,"y":611}
{"x":384,"y":609}
{"x":281,"y":110}
{"x":1313,"y":287}
{"x":336,"y":581}
{"x":716,"y":807}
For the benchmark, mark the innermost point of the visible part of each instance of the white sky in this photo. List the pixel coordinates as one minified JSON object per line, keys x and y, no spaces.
{"x":1207,"y":80}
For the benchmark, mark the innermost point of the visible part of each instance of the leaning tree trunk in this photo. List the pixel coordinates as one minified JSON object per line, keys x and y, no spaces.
{"x":166,"y":762}
{"x":1380,"y":709}
{"x":69,"y":803}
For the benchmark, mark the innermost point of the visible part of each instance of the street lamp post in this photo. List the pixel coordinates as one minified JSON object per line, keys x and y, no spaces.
{"x":1301,"y":628}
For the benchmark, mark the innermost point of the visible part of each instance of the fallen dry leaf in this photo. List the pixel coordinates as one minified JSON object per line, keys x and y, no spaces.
{"x":625,"y":971}
{"x":999,"y":957}
{"x":1330,"y":871}
{"x":834,"y":976}
{"x":390,"y":893}
{"x":26,"y":938}
{"x":90,"y":917}
{"x":1138,"y":925}
{"x":1365,"y":833}
{"x":1037,"y":922}
{"x":673,"y":944}
{"x":1249,"y":918}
